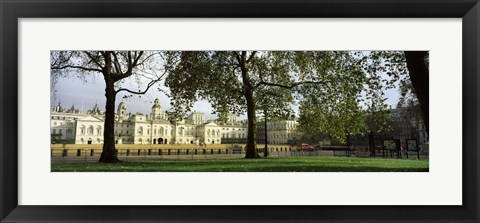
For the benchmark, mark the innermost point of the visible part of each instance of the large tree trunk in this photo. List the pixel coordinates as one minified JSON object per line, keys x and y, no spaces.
{"x":109,"y":153}
{"x":418,"y":70}
{"x":252,"y":127}
{"x":251,"y":152}
{"x":265,"y":151}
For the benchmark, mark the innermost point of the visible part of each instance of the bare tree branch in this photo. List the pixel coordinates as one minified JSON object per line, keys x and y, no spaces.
{"x":59,"y":61}
{"x":251,"y":56}
{"x":238,"y":57}
{"x":288,"y":86}
{"x":93,"y":58}
{"x":76,"y":67}
{"x":150,"y":84}
{"x":116,"y":64}
{"x":143,"y":61}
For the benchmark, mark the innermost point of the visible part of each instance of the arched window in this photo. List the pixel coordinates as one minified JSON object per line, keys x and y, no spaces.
{"x":99,"y":130}
{"x":140,"y":130}
{"x":90,"y":130}
{"x":161,"y":131}
{"x":208,"y":133}
{"x":82,"y":130}
{"x":180,"y":131}
{"x":218,"y":133}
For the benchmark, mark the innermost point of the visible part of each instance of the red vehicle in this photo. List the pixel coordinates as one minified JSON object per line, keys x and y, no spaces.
{"x":305,"y":147}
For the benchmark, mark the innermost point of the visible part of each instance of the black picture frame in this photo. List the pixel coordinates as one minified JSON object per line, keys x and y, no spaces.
{"x":11,"y":11}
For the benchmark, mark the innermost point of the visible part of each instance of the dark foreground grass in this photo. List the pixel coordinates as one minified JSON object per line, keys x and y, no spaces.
{"x":290,"y":164}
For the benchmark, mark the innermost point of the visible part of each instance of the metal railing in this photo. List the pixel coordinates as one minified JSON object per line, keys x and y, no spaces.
{"x":92,"y":154}
{"x":85,"y":154}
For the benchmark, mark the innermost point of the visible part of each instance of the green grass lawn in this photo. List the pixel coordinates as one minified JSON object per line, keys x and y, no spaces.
{"x":289,"y":164}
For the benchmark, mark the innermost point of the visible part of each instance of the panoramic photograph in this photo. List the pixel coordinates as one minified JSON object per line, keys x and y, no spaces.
{"x":239,"y":111}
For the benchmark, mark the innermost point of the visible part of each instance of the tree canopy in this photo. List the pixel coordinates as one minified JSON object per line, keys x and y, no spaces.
{"x":332,"y":87}
{"x":339,"y":93}
{"x":115,"y":67}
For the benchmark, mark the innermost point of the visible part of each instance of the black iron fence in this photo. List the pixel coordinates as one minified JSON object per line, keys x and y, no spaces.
{"x":86,"y":154}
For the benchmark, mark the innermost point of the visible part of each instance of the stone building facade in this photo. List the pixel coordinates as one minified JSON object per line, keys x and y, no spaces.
{"x":72,"y":126}
{"x":278,"y":131}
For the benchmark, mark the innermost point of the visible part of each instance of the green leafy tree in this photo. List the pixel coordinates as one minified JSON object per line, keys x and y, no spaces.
{"x":408,"y":68}
{"x":381,"y":70}
{"x":233,"y":81}
{"x":115,"y":67}
{"x":363,"y":104}
{"x":273,"y":103}
{"x":333,"y":109}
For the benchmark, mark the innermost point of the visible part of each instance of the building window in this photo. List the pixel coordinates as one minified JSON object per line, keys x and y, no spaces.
{"x":90,"y":130}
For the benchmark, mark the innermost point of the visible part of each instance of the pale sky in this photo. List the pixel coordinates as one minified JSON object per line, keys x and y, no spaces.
{"x":85,"y":95}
